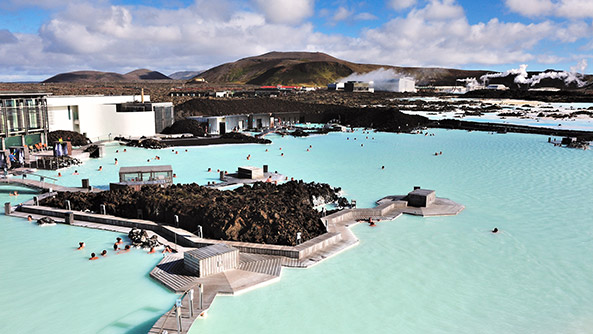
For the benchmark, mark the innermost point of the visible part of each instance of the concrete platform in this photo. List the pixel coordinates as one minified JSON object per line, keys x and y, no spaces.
{"x":440,"y":207}
{"x":233,"y":179}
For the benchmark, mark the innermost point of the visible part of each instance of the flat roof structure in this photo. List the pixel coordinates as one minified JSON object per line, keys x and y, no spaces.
{"x":145,"y":169}
{"x":421,"y":197}
{"x":211,"y":260}
{"x":250,"y":172}
{"x":138,"y":176}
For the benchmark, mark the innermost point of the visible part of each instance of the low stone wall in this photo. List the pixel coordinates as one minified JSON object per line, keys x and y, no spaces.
{"x":187,"y":239}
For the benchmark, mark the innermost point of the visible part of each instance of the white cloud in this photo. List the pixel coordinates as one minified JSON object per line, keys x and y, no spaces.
{"x":573,"y":9}
{"x":6,"y":37}
{"x":401,"y":4}
{"x":440,"y":35}
{"x":286,"y":11}
{"x":365,"y":16}
{"x":341,"y":14}
{"x":531,"y":7}
{"x":208,"y":33}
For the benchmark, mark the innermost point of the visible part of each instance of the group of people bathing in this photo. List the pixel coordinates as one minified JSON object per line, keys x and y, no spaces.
{"x":118,"y":250}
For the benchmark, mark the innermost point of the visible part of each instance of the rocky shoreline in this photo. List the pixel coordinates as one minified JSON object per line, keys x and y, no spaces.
{"x":262,"y":213}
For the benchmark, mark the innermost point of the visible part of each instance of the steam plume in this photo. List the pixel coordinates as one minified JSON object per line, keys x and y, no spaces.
{"x":522,"y":77}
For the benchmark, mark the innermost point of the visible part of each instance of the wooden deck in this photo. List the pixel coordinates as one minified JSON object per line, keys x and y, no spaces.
{"x":39,"y":185}
{"x":254,"y":271}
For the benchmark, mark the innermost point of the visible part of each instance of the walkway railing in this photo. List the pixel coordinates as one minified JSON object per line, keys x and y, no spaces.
{"x":177,"y":308}
{"x":41,"y":177}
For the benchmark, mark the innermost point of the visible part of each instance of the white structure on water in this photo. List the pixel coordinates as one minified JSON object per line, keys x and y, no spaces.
{"x":219,"y":125}
{"x":104,"y":117}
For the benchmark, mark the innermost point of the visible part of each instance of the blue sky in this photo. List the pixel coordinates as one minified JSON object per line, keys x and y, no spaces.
{"x":40,"y":38}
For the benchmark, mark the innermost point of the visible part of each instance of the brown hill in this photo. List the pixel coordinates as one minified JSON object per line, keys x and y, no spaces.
{"x":317,"y":68}
{"x":144,"y":74}
{"x":86,"y":76}
{"x":98,"y":76}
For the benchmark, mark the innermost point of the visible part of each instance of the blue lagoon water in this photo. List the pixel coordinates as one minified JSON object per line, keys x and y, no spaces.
{"x":410,"y":275}
{"x":47,"y":286}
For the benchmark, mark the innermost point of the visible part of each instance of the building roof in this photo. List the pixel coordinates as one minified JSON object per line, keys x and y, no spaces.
{"x":145,"y":169}
{"x":22,"y":94}
{"x":210,"y":251}
{"x":252,"y":168}
{"x":421,"y":192}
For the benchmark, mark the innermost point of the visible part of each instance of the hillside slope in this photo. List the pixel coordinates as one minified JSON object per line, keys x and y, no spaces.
{"x":98,"y":76}
{"x":316,"y":68}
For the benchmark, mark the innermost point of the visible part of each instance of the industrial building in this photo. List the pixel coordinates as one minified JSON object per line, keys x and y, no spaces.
{"x":336,"y":86}
{"x":359,"y":86}
{"x":23,"y":119}
{"x":104,"y":117}
{"x":399,"y":85}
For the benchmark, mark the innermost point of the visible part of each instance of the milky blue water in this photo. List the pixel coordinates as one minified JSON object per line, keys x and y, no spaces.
{"x":410,"y":275}
{"x":47,"y":286}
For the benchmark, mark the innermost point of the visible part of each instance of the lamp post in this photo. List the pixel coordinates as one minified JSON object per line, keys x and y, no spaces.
{"x":176,"y":225}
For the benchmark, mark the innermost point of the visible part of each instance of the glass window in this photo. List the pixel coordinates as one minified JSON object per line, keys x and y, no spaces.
{"x":34,"y":118}
{"x":12,"y":119}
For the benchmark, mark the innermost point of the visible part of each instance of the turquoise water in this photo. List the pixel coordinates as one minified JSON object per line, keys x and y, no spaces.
{"x":411,"y":275}
{"x":47,"y":286}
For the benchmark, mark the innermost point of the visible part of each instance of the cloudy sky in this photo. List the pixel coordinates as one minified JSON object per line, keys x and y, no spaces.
{"x":40,"y":38}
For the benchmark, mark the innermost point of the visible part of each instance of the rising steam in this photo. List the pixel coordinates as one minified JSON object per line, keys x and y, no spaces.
{"x":382,"y":78}
{"x":522,"y":77}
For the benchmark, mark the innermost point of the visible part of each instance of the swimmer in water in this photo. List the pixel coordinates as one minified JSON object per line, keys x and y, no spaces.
{"x":119,"y":241}
{"x":80,"y":245}
{"x":104,"y":253}
{"x":495,"y":230}
{"x":115,"y":247}
{"x":59,"y":174}
{"x":116,"y":161}
{"x":75,"y":172}
{"x":93,"y":257}
{"x":152,"y":251}
{"x":382,"y":167}
{"x":29,"y":218}
{"x":125,"y":250}
{"x":100,"y":168}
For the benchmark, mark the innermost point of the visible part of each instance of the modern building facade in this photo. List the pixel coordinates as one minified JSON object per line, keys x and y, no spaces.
{"x":23,"y":119}
{"x":104,"y":117}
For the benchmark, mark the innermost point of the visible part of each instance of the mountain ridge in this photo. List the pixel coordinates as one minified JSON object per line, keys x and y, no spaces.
{"x":100,"y":76}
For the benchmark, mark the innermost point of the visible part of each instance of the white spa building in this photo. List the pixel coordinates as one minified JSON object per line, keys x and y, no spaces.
{"x":105,"y":117}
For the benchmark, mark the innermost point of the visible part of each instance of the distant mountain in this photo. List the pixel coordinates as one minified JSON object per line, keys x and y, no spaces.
{"x":316,"y":68}
{"x":184,"y":75}
{"x":144,"y":74}
{"x":97,"y":76}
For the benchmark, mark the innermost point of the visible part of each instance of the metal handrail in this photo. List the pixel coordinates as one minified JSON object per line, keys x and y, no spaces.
{"x":41,"y":177}
{"x":183,"y":295}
